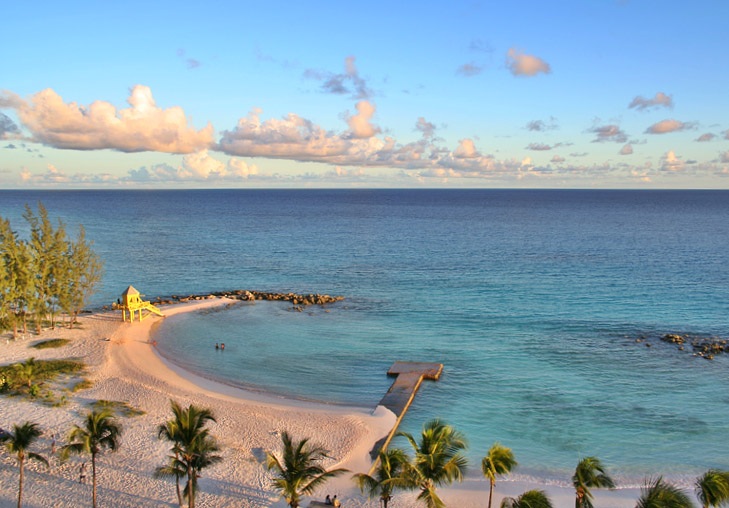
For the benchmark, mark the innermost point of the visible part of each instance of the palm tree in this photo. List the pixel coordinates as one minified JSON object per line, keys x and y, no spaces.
{"x":499,"y":460}
{"x":712,"y":488}
{"x":589,"y":473}
{"x":193,"y":447}
{"x":26,"y":370}
{"x":529,"y":499}
{"x":169,"y":431}
{"x":438,"y":461}
{"x":18,"y":441}
{"x":659,"y":494}
{"x":390,"y":465}
{"x":299,"y":471}
{"x":100,"y":430}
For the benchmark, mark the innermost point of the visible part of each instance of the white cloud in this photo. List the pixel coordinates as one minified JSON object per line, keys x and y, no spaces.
{"x":142,"y":127}
{"x":671,"y":162}
{"x":626,"y":150}
{"x":557,"y":159}
{"x":659,"y":100}
{"x":521,"y":64}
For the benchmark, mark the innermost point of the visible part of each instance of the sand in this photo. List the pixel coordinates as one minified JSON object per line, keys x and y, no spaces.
{"x":123,"y":366}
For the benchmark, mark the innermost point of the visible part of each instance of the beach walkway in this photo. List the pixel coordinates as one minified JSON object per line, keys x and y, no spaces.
{"x":408,"y":378}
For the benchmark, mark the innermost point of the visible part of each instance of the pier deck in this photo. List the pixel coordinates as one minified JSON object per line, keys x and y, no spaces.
{"x":408,"y":378}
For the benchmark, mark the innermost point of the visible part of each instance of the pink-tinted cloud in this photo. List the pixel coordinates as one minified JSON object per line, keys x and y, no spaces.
{"x":626,"y":150}
{"x":348,"y":82}
{"x":557,"y":159}
{"x":539,"y":147}
{"x":359,"y":124}
{"x":521,"y":64}
{"x":427,"y":128}
{"x":659,"y":100}
{"x":671,"y":162}
{"x":666,"y":126}
{"x":142,"y":127}
{"x":469,"y":70}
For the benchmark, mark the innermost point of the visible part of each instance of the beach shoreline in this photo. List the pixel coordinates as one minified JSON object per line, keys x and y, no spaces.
{"x":124,"y":366}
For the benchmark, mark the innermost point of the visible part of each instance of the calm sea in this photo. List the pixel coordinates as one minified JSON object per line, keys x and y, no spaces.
{"x":533,"y":300}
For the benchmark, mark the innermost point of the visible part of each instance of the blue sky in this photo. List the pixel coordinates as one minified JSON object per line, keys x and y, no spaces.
{"x":578,"y":94}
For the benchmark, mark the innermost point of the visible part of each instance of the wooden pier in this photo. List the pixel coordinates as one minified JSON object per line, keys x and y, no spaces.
{"x":408,"y":378}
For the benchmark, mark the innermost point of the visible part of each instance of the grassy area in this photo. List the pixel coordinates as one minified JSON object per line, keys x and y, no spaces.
{"x":52,"y":343}
{"x":32,"y":377}
{"x":118,"y":407}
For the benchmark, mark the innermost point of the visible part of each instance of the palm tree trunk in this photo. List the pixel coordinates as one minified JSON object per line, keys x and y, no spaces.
{"x":190,"y":493}
{"x":20,"y":484}
{"x":93,"y":480}
{"x":491,"y":491}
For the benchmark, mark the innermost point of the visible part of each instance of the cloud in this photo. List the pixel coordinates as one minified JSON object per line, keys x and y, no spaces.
{"x":466,"y":150}
{"x":521,"y":64}
{"x":706,"y":137}
{"x":541,"y":126}
{"x":608,"y":133}
{"x":557,"y":159}
{"x":660,"y":100}
{"x":726,"y":134}
{"x":626,"y":150}
{"x":427,"y":128}
{"x":666,"y":126}
{"x":538,"y":147}
{"x":724,"y":157}
{"x":672,"y":163}
{"x":142,"y":127}
{"x":8,"y":129}
{"x":191,"y":63}
{"x":469,"y":70}
{"x":359,"y":124}
{"x":349,"y":82}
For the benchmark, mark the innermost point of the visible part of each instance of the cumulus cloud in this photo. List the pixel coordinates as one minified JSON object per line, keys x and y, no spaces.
{"x":521,"y":64}
{"x":348,"y":82}
{"x":557,"y":159}
{"x":725,"y":157}
{"x":359,"y":124}
{"x":671,"y":162}
{"x":706,"y":137}
{"x":466,"y":150}
{"x":659,"y":100}
{"x":626,"y":150}
{"x":666,"y":126}
{"x":142,"y":127}
{"x":608,"y":133}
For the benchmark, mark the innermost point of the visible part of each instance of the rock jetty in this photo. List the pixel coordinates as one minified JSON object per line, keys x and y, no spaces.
{"x":250,"y":295}
{"x":705,"y":347}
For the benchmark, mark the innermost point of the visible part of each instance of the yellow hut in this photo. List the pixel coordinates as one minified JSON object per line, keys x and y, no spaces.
{"x":131,"y":301}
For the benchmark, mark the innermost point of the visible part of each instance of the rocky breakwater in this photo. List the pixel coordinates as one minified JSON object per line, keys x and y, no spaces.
{"x":705,"y":347}
{"x":298,"y":300}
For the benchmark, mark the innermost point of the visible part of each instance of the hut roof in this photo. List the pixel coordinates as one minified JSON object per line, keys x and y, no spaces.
{"x":130,"y":291}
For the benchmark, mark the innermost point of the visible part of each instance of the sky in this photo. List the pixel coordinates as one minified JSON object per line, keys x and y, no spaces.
{"x":317,"y":94}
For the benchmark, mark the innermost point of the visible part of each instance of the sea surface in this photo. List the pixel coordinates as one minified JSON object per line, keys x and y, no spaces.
{"x":533,"y":299}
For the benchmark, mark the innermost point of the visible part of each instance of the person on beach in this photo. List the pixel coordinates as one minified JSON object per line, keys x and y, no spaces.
{"x":335,"y":501}
{"x":53,"y":444}
{"x":82,"y":473}
{"x":328,"y":499}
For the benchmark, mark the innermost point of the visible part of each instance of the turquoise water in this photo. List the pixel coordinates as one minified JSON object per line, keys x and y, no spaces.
{"x":532,"y":300}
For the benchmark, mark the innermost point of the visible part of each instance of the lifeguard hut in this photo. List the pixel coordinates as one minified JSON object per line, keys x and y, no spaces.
{"x":131,"y":301}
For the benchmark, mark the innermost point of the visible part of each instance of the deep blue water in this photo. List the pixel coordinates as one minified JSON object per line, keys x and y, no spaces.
{"x":532,"y":299}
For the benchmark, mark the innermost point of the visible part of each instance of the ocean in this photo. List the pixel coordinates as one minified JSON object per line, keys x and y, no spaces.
{"x":540,"y":304}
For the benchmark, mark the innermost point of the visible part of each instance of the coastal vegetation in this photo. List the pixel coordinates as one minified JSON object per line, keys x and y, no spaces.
{"x":193,"y":448}
{"x":44,"y":274}
{"x":297,"y":469}
{"x":498,"y":461}
{"x":30,"y":376}
{"x":18,"y":442}
{"x":589,"y":474}
{"x":99,"y":431}
{"x":390,"y":466}
{"x":438,"y":461}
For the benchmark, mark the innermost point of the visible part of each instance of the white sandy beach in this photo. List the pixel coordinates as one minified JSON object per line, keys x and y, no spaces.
{"x":123,"y":366}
